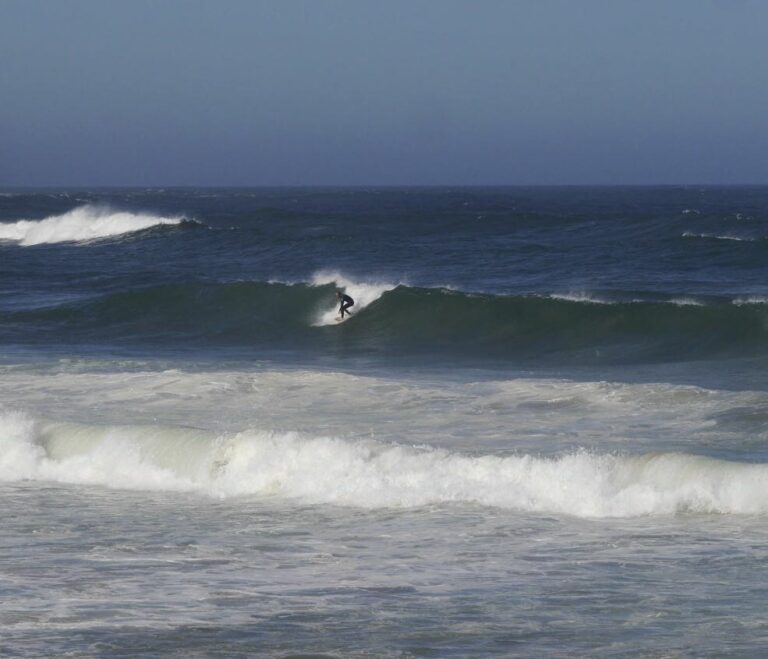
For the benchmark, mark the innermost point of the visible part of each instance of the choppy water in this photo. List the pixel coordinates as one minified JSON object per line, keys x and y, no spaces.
{"x":542,"y":431}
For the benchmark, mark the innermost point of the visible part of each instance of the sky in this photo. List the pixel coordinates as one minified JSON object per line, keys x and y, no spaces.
{"x":373,"y":92}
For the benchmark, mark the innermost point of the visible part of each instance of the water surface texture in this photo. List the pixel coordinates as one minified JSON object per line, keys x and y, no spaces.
{"x":542,"y":432}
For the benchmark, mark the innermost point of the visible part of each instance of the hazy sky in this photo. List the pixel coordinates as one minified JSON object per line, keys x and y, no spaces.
{"x":249,"y":92}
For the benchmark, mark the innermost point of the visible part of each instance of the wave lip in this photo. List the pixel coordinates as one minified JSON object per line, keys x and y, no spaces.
{"x":80,"y":224}
{"x":580,"y":296}
{"x":363,"y":293}
{"x":374,"y":475}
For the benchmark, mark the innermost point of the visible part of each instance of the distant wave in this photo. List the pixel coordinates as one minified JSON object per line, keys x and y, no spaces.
{"x":624,"y":297}
{"x":751,"y":299}
{"x":714,"y":236}
{"x":581,"y":296}
{"x":369,"y":474}
{"x":686,"y":302}
{"x":405,"y":321}
{"x":81,"y":224}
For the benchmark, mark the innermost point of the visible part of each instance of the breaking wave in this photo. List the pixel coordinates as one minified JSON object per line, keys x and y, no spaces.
{"x":399,"y":320}
{"x":370,"y":474}
{"x":81,"y":224}
{"x":363,"y":293}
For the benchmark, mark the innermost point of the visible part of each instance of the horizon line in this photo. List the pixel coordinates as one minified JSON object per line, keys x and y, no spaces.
{"x":294,"y":186}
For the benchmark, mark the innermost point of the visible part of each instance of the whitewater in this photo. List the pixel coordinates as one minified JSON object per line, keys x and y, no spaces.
{"x":406,"y":467}
{"x":542,"y":432}
{"x":81,"y":224}
{"x":368,"y":474}
{"x":363,"y":293}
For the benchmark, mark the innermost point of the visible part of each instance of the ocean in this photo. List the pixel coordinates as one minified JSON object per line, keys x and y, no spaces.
{"x":543,"y":431}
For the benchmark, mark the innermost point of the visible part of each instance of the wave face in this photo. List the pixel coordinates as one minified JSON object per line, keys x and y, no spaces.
{"x":370,"y":474}
{"x":407,"y":321}
{"x":581,"y":276}
{"x":81,"y":224}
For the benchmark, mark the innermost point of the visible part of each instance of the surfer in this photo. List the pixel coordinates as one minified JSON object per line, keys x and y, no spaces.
{"x":345,"y":302}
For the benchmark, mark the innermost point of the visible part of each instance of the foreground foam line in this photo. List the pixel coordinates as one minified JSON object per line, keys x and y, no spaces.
{"x":369,"y":474}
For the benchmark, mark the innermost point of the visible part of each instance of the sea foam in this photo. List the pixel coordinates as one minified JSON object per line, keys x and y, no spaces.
{"x":363,"y":293}
{"x":82,"y":223}
{"x":713,"y":236}
{"x":369,"y":474}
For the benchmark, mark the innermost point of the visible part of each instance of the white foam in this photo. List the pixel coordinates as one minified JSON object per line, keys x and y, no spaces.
{"x":594,"y":299}
{"x":82,"y":223}
{"x":363,"y":293}
{"x":371,"y":474}
{"x":750,"y":299}
{"x":713,"y":236}
{"x":579,"y":296}
{"x":686,"y":302}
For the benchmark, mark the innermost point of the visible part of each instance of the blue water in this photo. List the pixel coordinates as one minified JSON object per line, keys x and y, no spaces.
{"x":541,"y":432}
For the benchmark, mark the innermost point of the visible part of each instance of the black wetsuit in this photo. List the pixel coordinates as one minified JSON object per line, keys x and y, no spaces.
{"x":346,"y":303}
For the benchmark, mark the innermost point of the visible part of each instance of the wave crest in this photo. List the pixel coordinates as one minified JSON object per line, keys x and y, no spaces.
{"x":81,"y":224}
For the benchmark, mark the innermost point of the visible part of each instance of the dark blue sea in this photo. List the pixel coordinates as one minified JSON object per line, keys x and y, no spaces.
{"x":542,"y":431}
